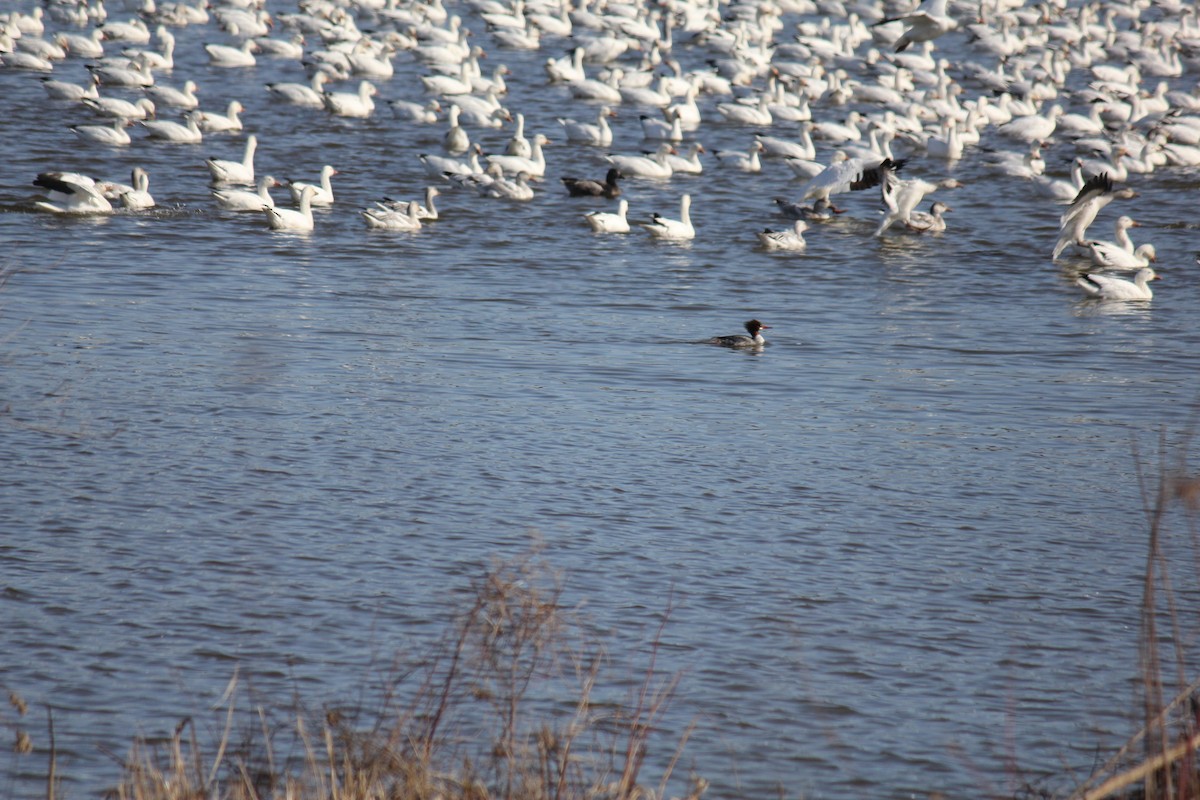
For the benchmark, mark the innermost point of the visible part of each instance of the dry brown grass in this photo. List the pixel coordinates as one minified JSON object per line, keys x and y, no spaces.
{"x":1159,"y":762}
{"x":483,"y":718}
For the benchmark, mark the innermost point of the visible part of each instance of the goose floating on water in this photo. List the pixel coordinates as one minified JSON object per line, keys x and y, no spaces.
{"x":1107,"y":287}
{"x":293,"y":219}
{"x":232,"y":199}
{"x":71,"y":193}
{"x":930,"y":221}
{"x":645,"y":166}
{"x":170,"y":131}
{"x":235,"y":172}
{"x":212,"y":122}
{"x":113,"y":134}
{"x":784,"y":240}
{"x":609,"y":222}
{"x":322,"y":194}
{"x":668,"y":229}
{"x":586,"y":187}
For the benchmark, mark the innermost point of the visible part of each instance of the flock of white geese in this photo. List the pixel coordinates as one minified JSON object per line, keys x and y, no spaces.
{"x":846,"y":80}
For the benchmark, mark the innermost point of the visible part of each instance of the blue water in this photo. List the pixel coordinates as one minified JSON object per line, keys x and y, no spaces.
{"x":902,"y":544}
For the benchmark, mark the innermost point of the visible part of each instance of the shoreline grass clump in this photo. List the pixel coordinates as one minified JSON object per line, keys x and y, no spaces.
{"x":1159,"y":762}
{"x":505,"y":707}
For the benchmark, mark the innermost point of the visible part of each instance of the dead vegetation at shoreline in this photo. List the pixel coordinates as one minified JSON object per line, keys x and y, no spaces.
{"x":1159,"y":762}
{"x":478,"y":720}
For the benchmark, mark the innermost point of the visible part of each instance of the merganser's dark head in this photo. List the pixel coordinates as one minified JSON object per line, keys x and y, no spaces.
{"x":754,"y":326}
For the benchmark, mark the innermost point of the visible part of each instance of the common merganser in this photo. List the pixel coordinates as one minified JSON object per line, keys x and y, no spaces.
{"x":755,"y":339}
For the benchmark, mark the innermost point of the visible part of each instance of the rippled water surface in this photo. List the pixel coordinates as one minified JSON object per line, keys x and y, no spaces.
{"x":904,"y":540}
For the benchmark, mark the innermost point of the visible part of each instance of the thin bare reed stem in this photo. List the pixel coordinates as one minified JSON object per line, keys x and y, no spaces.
{"x":267,"y":744}
{"x":51,"y":777}
{"x":683,"y":740}
{"x":649,"y":707}
{"x":229,"y":694}
{"x":448,"y":684}
{"x":332,"y":761}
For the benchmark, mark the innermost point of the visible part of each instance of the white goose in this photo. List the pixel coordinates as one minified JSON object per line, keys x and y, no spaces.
{"x":455,"y":140}
{"x":136,"y":74}
{"x":423,"y":113}
{"x":447,"y":85}
{"x":517,"y":144}
{"x":599,"y":133}
{"x":645,"y":166}
{"x":930,"y":221}
{"x":502,"y":188}
{"x":426,"y":211}
{"x":689,"y":164}
{"x":62,"y":90}
{"x":676,"y":230}
{"x":169,"y":131}
{"x":71,"y":193}
{"x":1106,"y":287}
{"x":645,"y":96}
{"x":774,"y":147}
{"x":163,"y":59}
{"x":843,"y":175}
{"x":900,"y":198}
{"x":662,"y":130}
{"x":1033,"y":127}
{"x":113,"y":134}
{"x":492,"y":118}
{"x":137,"y":197}
{"x":949,"y":145}
{"x":1115,"y":258}
{"x":322,"y":192}
{"x":80,"y":45}
{"x":840,"y":132}
{"x":310,"y":95}
{"x":352,"y":104}
{"x":292,"y":47}
{"x":212,"y":122}
{"x":923,"y":25}
{"x":439,"y":166}
{"x":1062,"y":189}
{"x":223,"y":55}
{"x":392,"y":219}
{"x":246,"y":200}
{"x":608,"y":222}
{"x":784,"y":240}
{"x":567,"y":69}
{"x":742,"y":114}
{"x":1095,"y":195}
{"x":293,"y":219}
{"x":184,"y":98}
{"x":1120,"y":241}
{"x":117,"y":108}
{"x":535,"y":165}
{"x":134,"y":31}
{"x":236,"y":172}
{"x":688,"y":111}
{"x":606,"y":91}
{"x":748,"y":161}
